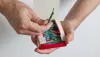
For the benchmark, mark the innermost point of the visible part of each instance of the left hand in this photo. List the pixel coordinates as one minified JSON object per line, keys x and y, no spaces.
{"x":44,"y":51}
{"x":69,"y":35}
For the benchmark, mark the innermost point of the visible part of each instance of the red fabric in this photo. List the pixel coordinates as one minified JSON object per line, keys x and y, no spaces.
{"x":47,"y":46}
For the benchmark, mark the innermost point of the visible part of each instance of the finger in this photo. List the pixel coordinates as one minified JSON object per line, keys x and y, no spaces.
{"x":69,"y":36}
{"x":39,"y":21}
{"x":47,"y":26}
{"x":45,"y":51}
{"x":33,"y":16}
{"x":27,"y":32}
{"x":34,"y":39}
{"x":35,"y":27}
{"x":42,"y":22}
{"x":39,"y":28}
{"x":36,"y":19}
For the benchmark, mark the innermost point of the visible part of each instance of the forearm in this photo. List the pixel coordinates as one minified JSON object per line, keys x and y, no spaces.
{"x":5,"y":4}
{"x":80,"y":11}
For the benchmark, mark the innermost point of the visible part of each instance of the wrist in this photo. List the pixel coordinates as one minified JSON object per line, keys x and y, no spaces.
{"x":74,"y":23}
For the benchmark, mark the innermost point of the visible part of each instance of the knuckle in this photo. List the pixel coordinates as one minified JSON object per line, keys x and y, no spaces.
{"x":40,"y":30}
{"x":23,"y":26}
{"x":71,"y":38}
{"x":20,"y":31}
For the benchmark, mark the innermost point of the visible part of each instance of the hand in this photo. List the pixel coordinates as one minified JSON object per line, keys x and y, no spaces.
{"x":24,"y":20}
{"x":69,"y":34}
{"x":44,"y":51}
{"x":68,"y":30}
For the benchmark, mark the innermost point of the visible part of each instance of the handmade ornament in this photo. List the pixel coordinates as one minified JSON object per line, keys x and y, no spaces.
{"x":53,"y":37}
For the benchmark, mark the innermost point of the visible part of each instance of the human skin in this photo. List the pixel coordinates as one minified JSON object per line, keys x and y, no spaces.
{"x":22,"y":18}
{"x":77,"y":14}
{"x":27,"y":25}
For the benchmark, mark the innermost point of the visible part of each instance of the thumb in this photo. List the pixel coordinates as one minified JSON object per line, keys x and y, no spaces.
{"x":69,"y":36}
{"x":42,"y":22}
{"x":34,"y":39}
{"x":36,"y":19}
{"x":39,"y":21}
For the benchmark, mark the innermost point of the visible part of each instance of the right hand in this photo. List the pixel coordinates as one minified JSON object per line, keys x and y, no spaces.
{"x":24,"y":20}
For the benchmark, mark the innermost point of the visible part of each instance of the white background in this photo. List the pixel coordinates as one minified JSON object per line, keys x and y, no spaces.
{"x":86,"y":42}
